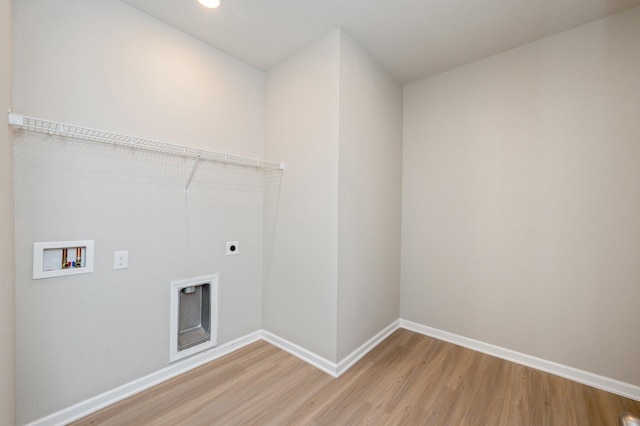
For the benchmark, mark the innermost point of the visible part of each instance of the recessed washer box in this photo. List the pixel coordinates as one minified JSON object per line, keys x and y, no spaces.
{"x":60,"y":258}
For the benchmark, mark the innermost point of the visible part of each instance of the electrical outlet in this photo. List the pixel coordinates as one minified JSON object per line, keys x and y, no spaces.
{"x":120,"y":260}
{"x":232,"y":248}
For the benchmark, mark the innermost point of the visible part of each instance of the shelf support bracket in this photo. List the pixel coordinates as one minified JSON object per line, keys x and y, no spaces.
{"x":193,"y":171}
{"x":15,"y":119}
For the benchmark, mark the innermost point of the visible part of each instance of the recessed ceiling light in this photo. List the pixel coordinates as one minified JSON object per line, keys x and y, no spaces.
{"x":211,"y":4}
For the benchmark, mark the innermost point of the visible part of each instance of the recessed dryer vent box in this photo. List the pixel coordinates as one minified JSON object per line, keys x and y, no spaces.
{"x":59,"y":258}
{"x":194,"y":316}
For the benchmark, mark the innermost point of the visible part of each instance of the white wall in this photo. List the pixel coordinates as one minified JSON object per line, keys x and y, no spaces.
{"x":7,"y":329}
{"x":332,"y":224}
{"x":117,"y":69}
{"x":521,"y":209}
{"x":301,"y":210}
{"x":370,"y":198}
{"x":103,"y":64}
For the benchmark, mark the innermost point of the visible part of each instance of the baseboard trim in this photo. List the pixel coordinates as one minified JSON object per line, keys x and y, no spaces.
{"x":306,"y":355}
{"x":333,"y":369}
{"x":112,"y":396}
{"x":590,"y":379}
{"x":356,"y":355}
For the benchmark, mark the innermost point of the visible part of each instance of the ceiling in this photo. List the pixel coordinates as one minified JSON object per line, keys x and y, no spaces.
{"x":412,"y":39}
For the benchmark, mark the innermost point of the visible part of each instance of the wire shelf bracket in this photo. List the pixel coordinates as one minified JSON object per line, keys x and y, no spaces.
{"x":193,"y":171}
{"x":54,"y":128}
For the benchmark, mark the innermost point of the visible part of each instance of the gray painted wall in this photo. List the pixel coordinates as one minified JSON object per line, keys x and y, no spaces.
{"x":370,"y":198}
{"x":301,"y":211}
{"x":79,"y":336}
{"x":332,"y":226}
{"x":7,"y":328}
{"x":521,"y":207}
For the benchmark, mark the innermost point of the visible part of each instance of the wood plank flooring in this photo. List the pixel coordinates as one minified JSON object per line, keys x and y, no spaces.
{"x":408,"y":379}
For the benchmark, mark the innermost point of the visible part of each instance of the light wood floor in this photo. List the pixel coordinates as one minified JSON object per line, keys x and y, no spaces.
{"x":408,"y":379}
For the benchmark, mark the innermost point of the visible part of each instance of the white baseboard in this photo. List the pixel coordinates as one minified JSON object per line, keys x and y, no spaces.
{"x":307,"y":356}
{"x":105,"y":399}
{"x":607,"y":384}
{"x":330,"y":367}
{"x":356,"y":355}
{"x":112,"y":396}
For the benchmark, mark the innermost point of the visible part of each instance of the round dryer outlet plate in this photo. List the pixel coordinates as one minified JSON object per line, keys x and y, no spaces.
{"x":232,"y":248}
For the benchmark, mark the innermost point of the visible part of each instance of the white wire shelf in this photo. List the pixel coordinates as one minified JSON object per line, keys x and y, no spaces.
{"x":54,"y":128}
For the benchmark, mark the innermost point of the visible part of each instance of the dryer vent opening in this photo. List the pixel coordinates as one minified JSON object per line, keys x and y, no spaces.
{"x":193,"y":315}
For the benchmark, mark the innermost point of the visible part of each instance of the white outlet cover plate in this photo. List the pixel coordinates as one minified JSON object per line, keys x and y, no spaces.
{"x":120,"y":260}
{"x":232,"y":248}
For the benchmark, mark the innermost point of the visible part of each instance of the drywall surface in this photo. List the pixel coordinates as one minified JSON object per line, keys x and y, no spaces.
{"x":370,"y":198}
{"x":103,"y":64}
{"x":301,"y":209}
{"x":118,"y":69}
{"x":7,"y":325}
{"x":521,"y":199}
{"x":332,"y":224}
